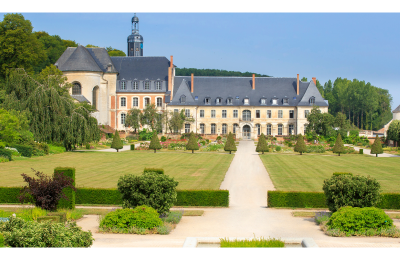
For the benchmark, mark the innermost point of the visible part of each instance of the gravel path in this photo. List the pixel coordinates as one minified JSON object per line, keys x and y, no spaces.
{"x":368,"y":152}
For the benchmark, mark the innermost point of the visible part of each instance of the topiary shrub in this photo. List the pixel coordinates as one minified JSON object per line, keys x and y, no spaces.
{"x":132,"y":147}
{"x":347,"y":190}
{"x":156,"y":170}
{"x":163,"y":139}
{"x":67,"y":191}
{"x":152,"y":189}
{"x":141,"y":217}
{"x":361,"y":151}
{"x":376,"y":147}
{"x":155,"y":143}
{"x":262,"y":145}
{"x":117,"y":143}
{"x":339,"y":147}
{"x":358,"y":220}
{"x":192,"y":143}
{"x":278,"y":148}
{"x":342,"y":173}
{"x":300,"y":146}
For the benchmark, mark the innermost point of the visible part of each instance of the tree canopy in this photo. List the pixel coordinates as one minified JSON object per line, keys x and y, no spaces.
{"x":133,"y":118}
{"x":393,"y":132}
{"x":214,"y":72}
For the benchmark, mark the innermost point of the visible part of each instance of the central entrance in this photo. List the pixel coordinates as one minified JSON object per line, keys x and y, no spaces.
{"x":246,"y":132}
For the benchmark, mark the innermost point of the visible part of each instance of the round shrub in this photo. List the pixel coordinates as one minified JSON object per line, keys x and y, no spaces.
{"x":140,"y":217}
{"x":347,"y":190}
{"x":351,"y":220}
{"x":163,"y":139}
{"x":152,"y":189}
{"x":278,"y":148}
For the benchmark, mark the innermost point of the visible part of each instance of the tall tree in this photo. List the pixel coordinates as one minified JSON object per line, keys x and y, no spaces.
{"x":262,"y":145}
{"x":300,"y":146}
{"x":133,"y":119}
{"x":393,"y":133}
{"x":117,"y":143}
{"x":53,"y":46}
{"x":192,"y":143}
{"x":19,"y":48}
{"x":339,"y":147}
{"x":155,"y":143}
{"x":149,"y":116}
{"x":376,"y":147}
{"x":230,"y":144}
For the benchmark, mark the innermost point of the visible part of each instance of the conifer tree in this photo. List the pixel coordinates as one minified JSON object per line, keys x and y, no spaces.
{"x":155,"y":143}
{"x":117,"y":143}
{"x":192,"y":143}
{"x":262,"y":145}
{"x":339,"y":147}
{"x":300,"y":146}
{"x":230,"y":144}
{"x":376,"y":147}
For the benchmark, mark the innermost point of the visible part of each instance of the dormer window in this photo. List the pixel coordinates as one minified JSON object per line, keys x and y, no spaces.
{"x":183,"y":99}
{"x":229,"y":101}
{"x":218,"y":101}
{"x":207,"y":101}
{"x":286,"y":101}
{"x":246,"y":101}
{"x":158,"y":85}
{"x":312,"y":101}
{"x":135,"y":85}
{"x":109,"y":67}
{"x":274,"y":101}
{"x":147,"y":85}
{"x":263,"y":101}
{"x":237,"y":97}
{"x":123,"y":85}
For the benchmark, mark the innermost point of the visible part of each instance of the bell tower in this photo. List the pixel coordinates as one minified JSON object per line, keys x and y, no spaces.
{"x":135,"y":40}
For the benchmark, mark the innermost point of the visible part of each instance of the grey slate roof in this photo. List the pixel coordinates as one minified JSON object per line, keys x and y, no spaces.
{"x":141,"y":68}
{"x":397,"y":110}
{"x":80,"y":98}
{"x":232,"y":87}
{"x":85,"y":59}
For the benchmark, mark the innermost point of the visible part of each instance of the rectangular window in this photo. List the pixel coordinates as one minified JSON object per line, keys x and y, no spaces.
{"x":280,"y":113}
{"x":274,"y":101}
{"x":268,"y":113}
{"x":257,"y":113}
{"x":158,"y":85}
{"x":159,"y":102}
{"x":286,"y":101}
{"x":187,"y":112}
{"x":246,"y":101}
{"x":123,"y":116}
{"x":223,"y":113}
{"x":187,"y":128}
{"x":123,"y":102}
{"x":263,"y":101}
{"x":291,"y":113}
{"x":224,"y":126}
{"x":213,"y":113}
{"x":235,"y":114}
{"x":202,"y":129}
{"x":123,"y":85}
{"x":135,"y":102}
{"x":306,"y":112}
{"x":147,"y":85}
{"x":201,"y":113}
{"x":135,"y":85}
{"x":176,"y":110}
{"x":207,"y":101}
{"x":229,"y":101}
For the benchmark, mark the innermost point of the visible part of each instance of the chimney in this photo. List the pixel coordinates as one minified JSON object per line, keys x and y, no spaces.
{"x":315,"y":80}
{"x":172,"y":61}
{"x":298,"y":84}
{"x":191,"y":84}
{"x":254,"y":81}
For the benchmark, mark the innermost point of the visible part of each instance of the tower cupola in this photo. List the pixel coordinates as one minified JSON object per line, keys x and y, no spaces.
{"x":135,"y":40}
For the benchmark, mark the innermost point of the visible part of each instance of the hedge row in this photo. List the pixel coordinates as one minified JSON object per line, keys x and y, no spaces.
{"x":70,"y":193}
{"x":6,"y":153}
{"x":297,"y":199}
{"x":218,"y":198}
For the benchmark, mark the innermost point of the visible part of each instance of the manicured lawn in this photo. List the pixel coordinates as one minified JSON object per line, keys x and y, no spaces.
{"x":292,"y":172}
{"x":103,"y":169}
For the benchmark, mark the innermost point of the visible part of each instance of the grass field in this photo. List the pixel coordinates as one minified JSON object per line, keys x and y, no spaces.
{"x":103,"y":169}
{"x":292,"y":172}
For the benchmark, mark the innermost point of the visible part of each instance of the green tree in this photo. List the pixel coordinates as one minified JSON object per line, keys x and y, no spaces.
{"x":69,"y":43}
{"x":300,"y":146}
{"x":117,"y":143}
{"x":215,"y":72}
{"x":133,"y":118}
{"x":155,"y":143}
{"x":91,"y":46}
{"x":149,"y":117}
{"x":114,"y":52}
{"x":230,"y":144}
{"x":304,"y":79}
{"x":19,"y":48}
{"x":393,"y":132}
{"x":14,"y":127}
{"x":376,"y":147}
{"x":320,"y":123}
{"x":53,"y":46}
{"x":262,"y":145}
{"x":192,"y":143}
{"x":51,"y":75}
{"x":339,"y":147}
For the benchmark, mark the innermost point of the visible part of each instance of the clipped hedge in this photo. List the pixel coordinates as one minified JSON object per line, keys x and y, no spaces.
{"x":215,"y":198}
{"x":24,"y":150}
{"x":290,"y":199}
{"x":6,"y":153}
{"x":9,"y":194}
{"x":70,"y":193}
{"x":342,"y":173}
{"x":1,"y":240}
{"x":132,"y":146}
{"x":156,"y":170}
{"x":98,"y":196}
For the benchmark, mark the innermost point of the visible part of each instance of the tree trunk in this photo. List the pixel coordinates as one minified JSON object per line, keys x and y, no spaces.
{"x":339,"y":154}
{"x":263,"y":152}
{"x":154,"y":150}
{"x":192,"y":151}
{"x":376,"y":155}
{"x":230,"y":152}
{"x":362,"y":115}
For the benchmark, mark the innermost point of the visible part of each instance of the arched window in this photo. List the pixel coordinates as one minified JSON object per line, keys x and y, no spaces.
{"x":312,"y":100}
{"x":183,"y":99}
{"x":212,"y":128}
{"x":258,"y":129}
{"x":135,"y":102}
{"x":246,"y":115}
{"x":146,"y":101}
{"x":95,"y":97}
{"x":234,"y":128}
{"x":224,"y":127}
{"x":123,"y":117}
{"x":202,"y":127}
{"x":280,"y":129}
{"x":159,"y":102}
{"x":123,"y":102}
{"x":76,"y":89}
{"x":269,"y":129}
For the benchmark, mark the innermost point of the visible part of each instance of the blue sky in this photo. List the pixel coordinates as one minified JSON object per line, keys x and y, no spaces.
{"x":364,"y":46}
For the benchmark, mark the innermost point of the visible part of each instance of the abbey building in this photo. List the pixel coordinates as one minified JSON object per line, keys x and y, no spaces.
{"x":246,"y":106}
